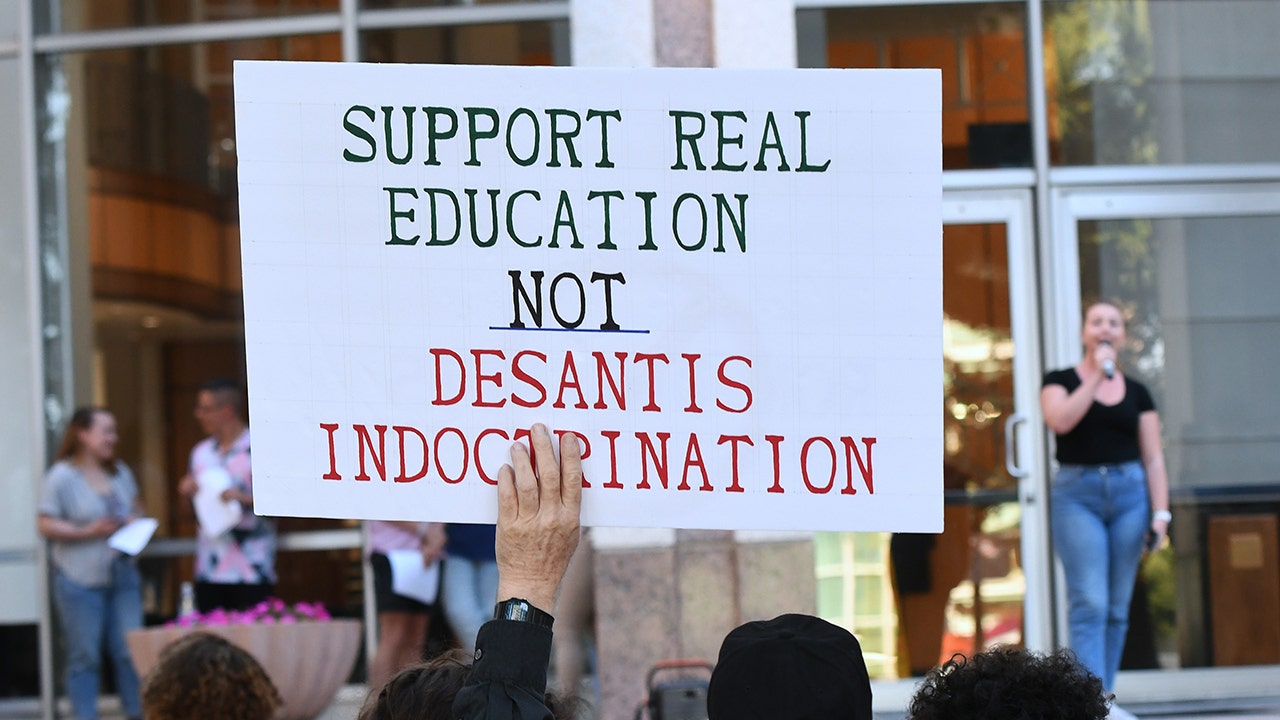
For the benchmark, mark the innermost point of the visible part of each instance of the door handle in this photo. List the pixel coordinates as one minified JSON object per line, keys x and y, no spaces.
{"x":1010,"y":456}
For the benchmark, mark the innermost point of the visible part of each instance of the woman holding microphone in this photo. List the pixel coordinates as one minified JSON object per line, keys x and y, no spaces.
{"x":1110,"y":495}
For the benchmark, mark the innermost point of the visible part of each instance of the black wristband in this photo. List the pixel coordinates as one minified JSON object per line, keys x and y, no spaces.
{"x":522,"y":610}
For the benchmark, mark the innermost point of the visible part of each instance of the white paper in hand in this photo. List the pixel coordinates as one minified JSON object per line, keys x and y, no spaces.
{"x":214,"y":514}
{"x":131,"y":538}
{"x":410,"y":579}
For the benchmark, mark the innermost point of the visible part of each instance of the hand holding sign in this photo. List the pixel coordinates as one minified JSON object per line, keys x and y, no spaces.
{"x":539,"y":504}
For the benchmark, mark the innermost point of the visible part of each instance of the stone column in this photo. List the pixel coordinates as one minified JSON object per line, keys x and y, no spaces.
{"x":665,"y":594}
{"x":21,"y":381}
{"x":618,"y":33}
{"x":683,"y":33}
{"x":674,"y":594}
{"x":754,"y":33}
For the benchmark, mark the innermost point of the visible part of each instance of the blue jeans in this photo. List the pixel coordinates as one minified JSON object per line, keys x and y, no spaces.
{"x":470,"y":592}
{"x":1101,"y":514}
{"x":91,"y":618}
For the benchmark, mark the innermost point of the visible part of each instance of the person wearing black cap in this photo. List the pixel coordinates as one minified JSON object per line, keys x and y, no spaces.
{"x":793,"y":667}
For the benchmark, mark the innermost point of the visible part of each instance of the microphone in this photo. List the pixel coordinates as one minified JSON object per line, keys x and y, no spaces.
{"x":1108,"y":365}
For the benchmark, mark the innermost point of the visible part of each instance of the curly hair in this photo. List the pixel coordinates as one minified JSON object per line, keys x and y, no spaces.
{"x":426,"y":691}
{"x":202,"y":676}
{"x":1007,"y":683}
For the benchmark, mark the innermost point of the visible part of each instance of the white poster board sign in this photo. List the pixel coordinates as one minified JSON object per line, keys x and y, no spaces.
{"x":728,"y":282}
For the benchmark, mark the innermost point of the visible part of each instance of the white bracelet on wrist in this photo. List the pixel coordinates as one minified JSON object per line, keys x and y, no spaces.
{"x":1164,"y":515}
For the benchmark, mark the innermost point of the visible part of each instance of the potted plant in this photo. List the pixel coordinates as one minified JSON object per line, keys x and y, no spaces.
{"x":307,"y":653}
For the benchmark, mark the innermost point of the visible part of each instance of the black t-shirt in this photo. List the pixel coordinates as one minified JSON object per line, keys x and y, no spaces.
{"x":1107,"y":434}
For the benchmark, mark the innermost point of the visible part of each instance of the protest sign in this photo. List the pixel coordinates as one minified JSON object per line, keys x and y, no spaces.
{"x":728,"y":283}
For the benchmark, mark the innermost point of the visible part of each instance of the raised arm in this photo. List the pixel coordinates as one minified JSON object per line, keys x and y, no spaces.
{"x":538,"y":516}
{"x":539,"y":505}
{"x":1063,"y":410}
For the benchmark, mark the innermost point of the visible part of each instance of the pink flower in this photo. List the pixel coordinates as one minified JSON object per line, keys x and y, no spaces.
{"x":269,"y":612}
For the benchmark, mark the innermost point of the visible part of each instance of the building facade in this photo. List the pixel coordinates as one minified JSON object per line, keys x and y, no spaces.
{"x":1092,"y":148}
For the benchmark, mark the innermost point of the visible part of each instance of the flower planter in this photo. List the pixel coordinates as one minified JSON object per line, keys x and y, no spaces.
{"x":308,"y":661}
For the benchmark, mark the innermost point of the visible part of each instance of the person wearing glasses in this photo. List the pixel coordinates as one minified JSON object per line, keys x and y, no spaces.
{"x":235,"y":568}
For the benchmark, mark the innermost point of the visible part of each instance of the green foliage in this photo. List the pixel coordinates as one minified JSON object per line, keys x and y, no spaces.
{"x":1100,"y":65}
{"x":1157,"y":573}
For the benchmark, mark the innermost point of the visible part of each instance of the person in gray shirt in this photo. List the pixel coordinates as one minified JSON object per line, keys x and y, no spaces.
{"x":86,"y":496}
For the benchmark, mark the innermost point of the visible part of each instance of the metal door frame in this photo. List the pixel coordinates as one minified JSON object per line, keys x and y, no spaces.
{"x":969,"y":199}
{"x":1025,"y":446}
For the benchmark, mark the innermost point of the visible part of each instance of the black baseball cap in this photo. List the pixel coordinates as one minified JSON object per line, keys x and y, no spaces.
{"x":793,"y":667}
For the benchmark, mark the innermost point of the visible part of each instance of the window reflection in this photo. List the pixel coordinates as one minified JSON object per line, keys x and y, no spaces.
{"x":531,"y":43}
{"x":83,"y":15}
{"x":159,"y":125}
{"x":147,"y":148}
{"x":382,"y":4}
{"x":980,"y":47}
{"x":915,"y":599}
{"x":1136,"y":82}
{"x":1203,"y":313}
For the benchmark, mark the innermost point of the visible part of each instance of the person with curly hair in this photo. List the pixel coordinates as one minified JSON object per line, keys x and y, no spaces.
{"x":202,"y":676}
{"x":426,"y":691}
{"x":1007,"y":683}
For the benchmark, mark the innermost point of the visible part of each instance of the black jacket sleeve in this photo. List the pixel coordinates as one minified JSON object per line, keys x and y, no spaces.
{"x":509,"y":678}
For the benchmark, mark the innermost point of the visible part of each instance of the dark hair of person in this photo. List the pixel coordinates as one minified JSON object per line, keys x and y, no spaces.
{"x":202,"y":676}
{"x":227,"y":391}
{"x":426,"y":691}
{"x":1007,"y":683}
{"x":81,"y":421}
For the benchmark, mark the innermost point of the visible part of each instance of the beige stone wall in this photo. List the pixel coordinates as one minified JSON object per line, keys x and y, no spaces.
{"x":679,"y":601}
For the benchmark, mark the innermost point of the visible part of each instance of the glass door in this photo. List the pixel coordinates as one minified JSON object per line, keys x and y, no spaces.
{"x":1194,"y":268}
{"x":914,"y":600}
